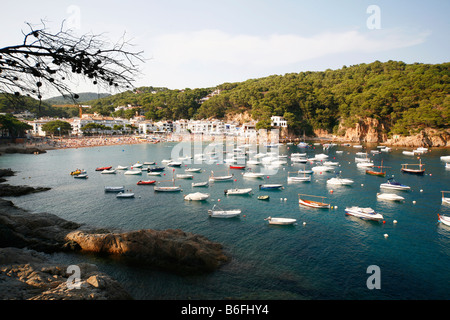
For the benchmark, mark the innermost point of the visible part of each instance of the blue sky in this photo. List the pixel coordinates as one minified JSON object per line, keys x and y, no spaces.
{"x":196,"y":44}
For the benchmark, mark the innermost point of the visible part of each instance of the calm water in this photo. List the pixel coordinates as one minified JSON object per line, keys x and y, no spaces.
{"x":327,"y":258}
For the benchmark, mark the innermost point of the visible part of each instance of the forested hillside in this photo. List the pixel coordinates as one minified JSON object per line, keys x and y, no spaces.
{"x":404,"y":97}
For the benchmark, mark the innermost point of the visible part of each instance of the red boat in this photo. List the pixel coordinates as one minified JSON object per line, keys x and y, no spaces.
{"x":237,"y":167}
{"x":146,"y":182}
{"x":103,"y":168}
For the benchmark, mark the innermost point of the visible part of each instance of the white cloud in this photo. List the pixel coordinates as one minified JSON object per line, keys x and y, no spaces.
{"x":214,"y":46}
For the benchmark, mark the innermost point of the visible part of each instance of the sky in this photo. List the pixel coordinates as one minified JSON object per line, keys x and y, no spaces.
{"x":204,"y":43}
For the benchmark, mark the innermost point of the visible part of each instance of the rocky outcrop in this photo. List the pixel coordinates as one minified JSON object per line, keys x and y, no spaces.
{"x":7,"y":190}
{"x":24,"y":150}
{"x":368,"y":130}
{"x":426,"y":138}
{"x":169,"y":249}
{"x":30,"y":275}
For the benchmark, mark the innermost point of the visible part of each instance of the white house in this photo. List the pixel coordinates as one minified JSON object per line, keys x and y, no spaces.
{"x":277,"y":121}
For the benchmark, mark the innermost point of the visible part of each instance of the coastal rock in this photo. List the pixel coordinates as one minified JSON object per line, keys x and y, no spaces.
{"x":24,"y":150}
{"x":30,"y":275}
{"x":366,"y":130}
{"x":7,"y":190}
{"x":426,"y":138}
{"x":169,"y":249}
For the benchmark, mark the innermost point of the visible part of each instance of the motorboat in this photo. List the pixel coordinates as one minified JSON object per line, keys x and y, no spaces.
{"x":110,"y":171}
{"x":184,"y":176}
{"x":299,"y":179}
{"x":365,"y":164}
{"x":363,"y":213}
{"x":133,"y":172}
{"x":330,"y":163}
{"x":409,"y":153}
{"x":263,"y":197}
{"x":193,"y":169}
{"x":147,"y":163}
{"x":390,"y":196}
{"x":200,"y":184}
{"x":125,"y":195}
{"x":321,"y":156}
{"x":81,"y":176}
{"x":237,"y":167}
{"x":114,"y":189}
{"x":340,"y":181}
{"x":270,"y":186}
{"x":220,"y":178}
{"x":281,"y":221}
{"x":253,"y":175}
{"x":145,"y":182}
{"x":77,"y":172}
{"x":156,"y":169}
{"x":174,"y":164}
{"x":444,"y":219}
{"x":103,"y":168}
{"x":137,"y":165}
{"x":156,"y":173}
{"x":121,"y":168}
{"x":196,"y":196}
{"x":445,"y":158}
{"x":253,"y":162}
{"x":311,"y":203}
{"x":166,"y":161}
{"x":392,"y":184}
{"x":237,"y":191}
{"x":322,"y":168}
{"x":167,"y":189}
{"x":305,"y":171}
{"x":216,"y":212}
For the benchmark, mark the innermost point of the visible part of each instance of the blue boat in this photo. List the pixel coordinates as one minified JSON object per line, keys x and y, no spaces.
{"x":156,"y":169}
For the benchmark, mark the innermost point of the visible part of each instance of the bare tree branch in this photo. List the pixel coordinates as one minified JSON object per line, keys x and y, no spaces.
{"x":52,"y":60}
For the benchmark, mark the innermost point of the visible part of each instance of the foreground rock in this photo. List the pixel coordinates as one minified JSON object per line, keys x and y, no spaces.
{"x":7,"y":190}
{"x":24,"y":150}
{"x":30,"y":275}
{"x":173,"y":250}
{"x":169,"y":249}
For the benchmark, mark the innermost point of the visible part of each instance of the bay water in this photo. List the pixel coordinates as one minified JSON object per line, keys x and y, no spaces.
{"x":325,"y":255}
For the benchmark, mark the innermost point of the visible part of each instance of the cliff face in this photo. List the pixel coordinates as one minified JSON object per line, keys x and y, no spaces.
{"x":426,"y":138}
{"x":367,"y":130}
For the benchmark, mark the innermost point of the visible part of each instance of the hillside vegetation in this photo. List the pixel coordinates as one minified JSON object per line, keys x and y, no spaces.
{"x":405,"y":98}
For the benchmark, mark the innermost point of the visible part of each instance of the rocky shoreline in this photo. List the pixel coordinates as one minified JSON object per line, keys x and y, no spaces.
{"x":27,"y":241}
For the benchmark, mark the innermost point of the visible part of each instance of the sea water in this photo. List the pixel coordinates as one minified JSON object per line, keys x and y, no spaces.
{"x":326,"y":255}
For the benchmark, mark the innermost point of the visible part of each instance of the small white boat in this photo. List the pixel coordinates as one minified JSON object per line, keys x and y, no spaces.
{"x":81,"y":176}
{"x":253,"y":162}
{"x":253,"y":175}
{"x":184,"y":176}
{"x":132,"y":172}
{"x":312,"y":203}
{"x":305,"y":171}
{"x":445,"y":158}
{"x":300,"y":160}
{"x":340,"y":181}
{"x":114,"y":189}
{"x":166,"y":160}
{"x":121,"y":168}
{"x":167,"y":189}
{"x":174,"y":164}
{"x":110,"y":171}
{"x":321,"y":156}
{"x":200,"y":184}
{"x":444,"y":219}
{"x":270,"y":186}
{"x":219,"y":213}
{"x":445,"y":200}
{"x":392,"y":184}
{"x":330,"y":163}
{"x":147,"y":163}
{"x":299,"y":179}
{"x":137,"y":165}
{"x":193,"y":169}
{"x":221,"y":178}
{"x":390,"y":197}
{"x":156,"y":173}
{"x":322,"y":168}
{"x":365,"y":164}
{"x":281,"y":221}
{"x":237,"y":191}
{"x":363,"y":213}
{"x":409,"y":153}
{"x":196,"y":196}
{"x":386,"y":149}
{"x":125,"y":195}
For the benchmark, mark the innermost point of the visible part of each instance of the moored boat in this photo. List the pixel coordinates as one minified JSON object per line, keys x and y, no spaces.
{"x":110,"y":171}
{"x":193,"y":170}
{"x":263,"y":197}
{"x":81,"y":176}
{"x":273,"y":186}
{"x":196,"y":196}
{"x":114,"y":189}
{"x":133,"y":172}
{"x":444,"y":219}
{"x":253,"y":175}
{"x":167,"y":189}
{"x":103,"y":168}
{"x":216,"y":212}
{"x":445,"y":200}
{"x":237,"y":191}
{"x":419,"y":169}
{"x":200,"y":184}
{"x":125,"y":195}
{"x":340,"y":181}
{"x":392,"y":184}
{"x":145,"y":182}
{"x":311,"y":203}
{"x":156,"y":169}
{"x":363,"y":213}
{"x":184,"y":176}
{"x":281,"y":221}
{"x":237,"y":167}
{"x":390,"y":196}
